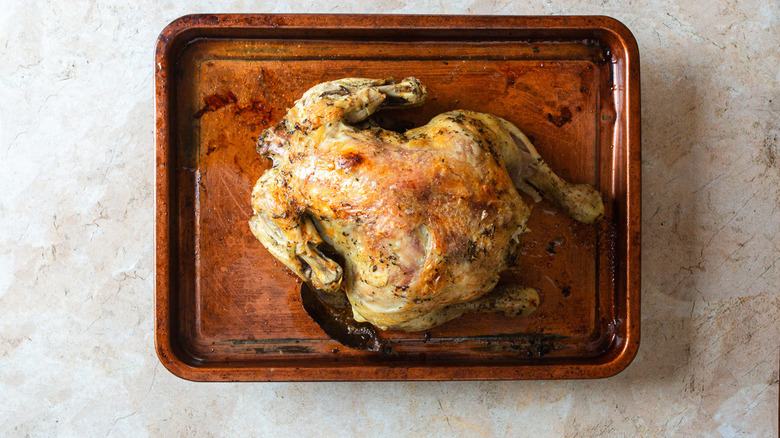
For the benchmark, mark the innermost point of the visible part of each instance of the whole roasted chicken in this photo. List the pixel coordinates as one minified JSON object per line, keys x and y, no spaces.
{"x":422,"y":222}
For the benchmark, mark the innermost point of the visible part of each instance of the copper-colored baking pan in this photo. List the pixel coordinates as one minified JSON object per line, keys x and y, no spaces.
{"x":227,"y":311}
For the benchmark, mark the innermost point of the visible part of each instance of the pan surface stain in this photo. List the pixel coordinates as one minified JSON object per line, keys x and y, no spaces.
{"x":562,"y":119}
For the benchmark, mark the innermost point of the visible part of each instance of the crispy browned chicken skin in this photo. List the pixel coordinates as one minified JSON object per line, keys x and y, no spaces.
{"x":425,"y":220}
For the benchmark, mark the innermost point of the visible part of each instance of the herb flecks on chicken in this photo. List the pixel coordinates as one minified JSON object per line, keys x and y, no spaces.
{"x":424,"y":220}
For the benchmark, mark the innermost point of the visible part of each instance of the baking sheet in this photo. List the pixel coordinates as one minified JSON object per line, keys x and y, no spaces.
{"x":227,"y":310}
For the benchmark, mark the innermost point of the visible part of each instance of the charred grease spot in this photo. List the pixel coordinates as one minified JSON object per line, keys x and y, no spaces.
{"x":349,"y":160}
{"x":535,"y":345}
{"x":216,"y":101}
{"x":552,"y":245}
{"x":510,"y":75}
{"x":539,"y":347}
{"x":212,"y":146}
{"x":562,"y":119}
{"x":256,"y":112}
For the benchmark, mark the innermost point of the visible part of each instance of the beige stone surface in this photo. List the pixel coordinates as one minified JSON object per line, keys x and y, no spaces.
{"x":76,"y":241}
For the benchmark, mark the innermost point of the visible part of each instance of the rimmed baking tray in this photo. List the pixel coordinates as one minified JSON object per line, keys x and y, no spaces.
{"x":227,"y":311}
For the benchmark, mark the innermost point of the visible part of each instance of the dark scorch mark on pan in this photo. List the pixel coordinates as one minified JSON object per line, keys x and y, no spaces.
{"x":562,"y":119}
{"x":216,"y":101}
{"x":256,"y":112}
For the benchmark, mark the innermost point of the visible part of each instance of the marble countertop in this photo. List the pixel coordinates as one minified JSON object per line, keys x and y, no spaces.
{"x":76,"y":241}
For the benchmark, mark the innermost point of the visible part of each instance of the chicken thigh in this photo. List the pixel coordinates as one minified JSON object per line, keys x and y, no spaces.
{"x":424,"y":221}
